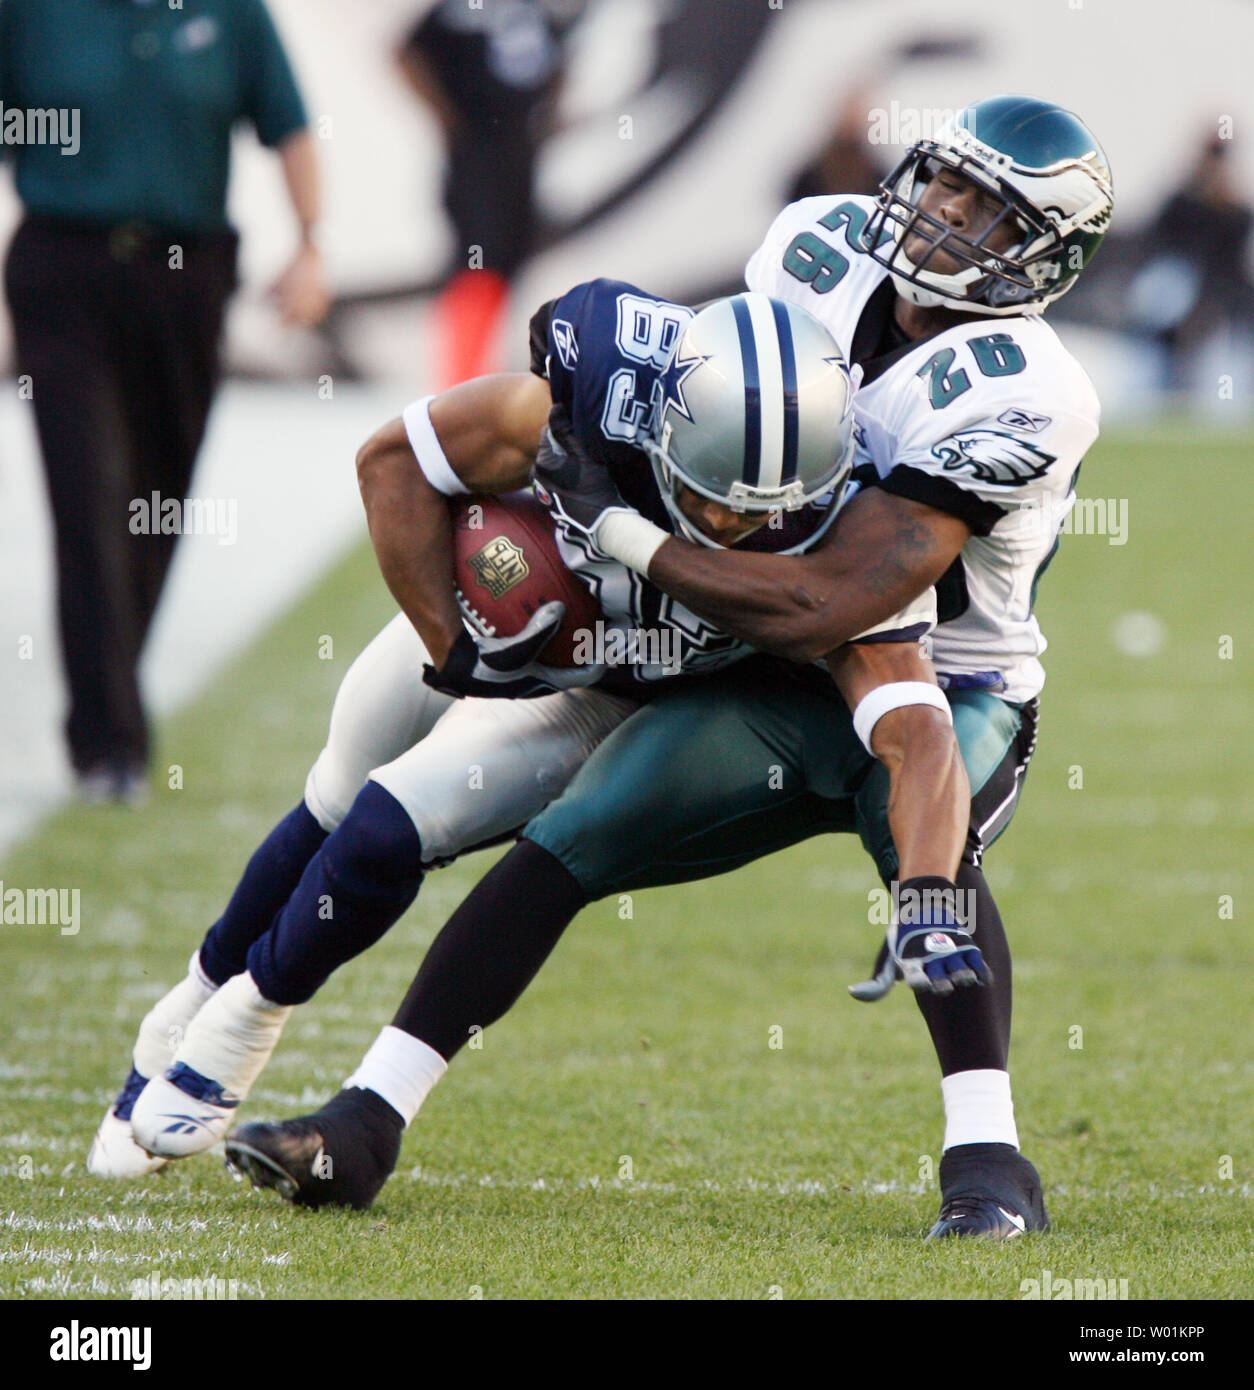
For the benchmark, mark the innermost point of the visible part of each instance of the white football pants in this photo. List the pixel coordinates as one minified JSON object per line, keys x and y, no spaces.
{"x":466,"y":771}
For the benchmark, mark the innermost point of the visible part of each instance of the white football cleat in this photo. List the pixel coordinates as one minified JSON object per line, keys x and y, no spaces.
{"x":181,"y":1113}
{"x":113,"y":1152}
{"x":226,"y":1046}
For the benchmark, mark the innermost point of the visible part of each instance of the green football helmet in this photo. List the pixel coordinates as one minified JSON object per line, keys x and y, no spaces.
{"x":1053,"y":181}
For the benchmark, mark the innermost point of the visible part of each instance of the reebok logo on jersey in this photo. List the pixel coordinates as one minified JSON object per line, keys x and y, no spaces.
{"x":564,"y":341}
{"x":992,"y":456}
{"x":1017,"y":419}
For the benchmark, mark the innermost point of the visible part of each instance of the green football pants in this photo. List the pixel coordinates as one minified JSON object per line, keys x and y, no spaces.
{"x":719,"y":773}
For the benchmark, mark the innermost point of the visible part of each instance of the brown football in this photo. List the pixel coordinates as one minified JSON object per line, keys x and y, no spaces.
{"x":507,"y":565}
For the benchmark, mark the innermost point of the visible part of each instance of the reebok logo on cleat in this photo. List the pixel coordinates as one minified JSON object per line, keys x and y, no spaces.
{"x":1014,"y":1219}
{"x":187,"y":1124}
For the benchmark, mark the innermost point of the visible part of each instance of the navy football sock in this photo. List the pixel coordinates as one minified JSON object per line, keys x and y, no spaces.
{"x":359,"y":883}
{"x":272,"y":873}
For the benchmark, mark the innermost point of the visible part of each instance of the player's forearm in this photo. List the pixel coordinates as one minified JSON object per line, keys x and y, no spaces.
{"x":412,"y":535}
{"x":769,"y":601}
{"x":880,"y":555}
{"x":800,"y":607}
{"x":299,"y":159}
{"x":481,"y":438}
{"x":929,"y":804}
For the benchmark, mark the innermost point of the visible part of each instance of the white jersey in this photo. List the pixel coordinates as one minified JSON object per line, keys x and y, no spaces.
{"x":988,"y":420}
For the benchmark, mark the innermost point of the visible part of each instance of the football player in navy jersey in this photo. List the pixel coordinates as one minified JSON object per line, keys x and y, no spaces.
{"x":769,"y":418}
{"x":972,"y":421}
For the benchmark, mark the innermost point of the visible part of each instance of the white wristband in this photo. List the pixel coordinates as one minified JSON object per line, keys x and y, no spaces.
{"x":425,"y":443}
{"x":629,"y":538}
{"x":873,"y":707}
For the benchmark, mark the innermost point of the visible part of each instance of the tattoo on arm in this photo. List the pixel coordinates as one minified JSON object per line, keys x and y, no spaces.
{"x":909,"y":550}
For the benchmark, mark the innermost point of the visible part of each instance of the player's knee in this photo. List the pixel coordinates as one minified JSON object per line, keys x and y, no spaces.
{"x":325,"y":796}
{"x":444,"y":821}
{"x":571,"y":832}
{"x":594,"y":877}
{"x":376,"y":851}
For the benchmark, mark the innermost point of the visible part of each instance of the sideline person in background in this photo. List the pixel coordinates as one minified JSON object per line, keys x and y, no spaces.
{"x":117,"y":281}
{"x":489,"y":76}
{"x":1193,"y":280}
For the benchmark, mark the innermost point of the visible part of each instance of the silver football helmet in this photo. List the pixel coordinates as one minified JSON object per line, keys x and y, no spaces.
{"x":754,"y":411}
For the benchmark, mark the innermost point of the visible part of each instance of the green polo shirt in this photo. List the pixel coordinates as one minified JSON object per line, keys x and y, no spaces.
{"x":157,"y":91}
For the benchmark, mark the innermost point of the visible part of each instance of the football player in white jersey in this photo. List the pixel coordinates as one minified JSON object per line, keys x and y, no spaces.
{"x":390,"y":795}
{"x":972,"y":421}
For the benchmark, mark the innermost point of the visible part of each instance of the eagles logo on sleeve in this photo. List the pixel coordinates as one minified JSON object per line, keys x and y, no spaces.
{"x":991,"y":456}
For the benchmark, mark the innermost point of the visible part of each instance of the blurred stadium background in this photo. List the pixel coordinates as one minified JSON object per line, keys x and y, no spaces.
{"x":731,"y":103}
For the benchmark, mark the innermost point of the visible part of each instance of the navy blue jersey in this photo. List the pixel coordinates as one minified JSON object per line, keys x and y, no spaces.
{"x":602,"y":346}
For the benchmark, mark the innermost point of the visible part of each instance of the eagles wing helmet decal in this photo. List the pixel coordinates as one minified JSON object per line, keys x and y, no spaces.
{"x":992,"y":456}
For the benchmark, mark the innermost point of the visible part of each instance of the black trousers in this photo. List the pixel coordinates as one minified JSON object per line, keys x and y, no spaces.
{"x":121,"y":349}
{"x":489,"y":194}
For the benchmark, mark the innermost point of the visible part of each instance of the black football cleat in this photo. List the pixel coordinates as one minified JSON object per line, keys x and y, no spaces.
{"x":339,"y":1156}
{"x":988,"y":1190}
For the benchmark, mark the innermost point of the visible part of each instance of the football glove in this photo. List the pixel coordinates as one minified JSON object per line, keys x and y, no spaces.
{"x":884,"y":975}
{"x":926,"y":945}
{"x":574,"y":488}
{"x":505,"y":668}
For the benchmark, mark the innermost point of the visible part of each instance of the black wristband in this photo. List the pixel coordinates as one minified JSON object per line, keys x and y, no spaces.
{"x":927,"y":896}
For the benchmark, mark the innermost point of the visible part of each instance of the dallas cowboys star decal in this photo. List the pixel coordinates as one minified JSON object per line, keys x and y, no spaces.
{"x":673,"y":382}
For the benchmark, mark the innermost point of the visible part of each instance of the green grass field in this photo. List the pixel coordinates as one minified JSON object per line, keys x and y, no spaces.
{"x":627,"y":1131}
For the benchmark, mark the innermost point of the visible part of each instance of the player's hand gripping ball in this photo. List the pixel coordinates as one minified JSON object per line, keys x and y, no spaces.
{"x":524,"y":610}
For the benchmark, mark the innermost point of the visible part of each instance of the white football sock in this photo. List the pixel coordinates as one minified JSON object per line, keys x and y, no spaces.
{"x":978,"y":1108}
{"x":233,"y":1036}
{"x":195,"y":968}
{"x":162,"y":1030}
{"x":400,"y":1068}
